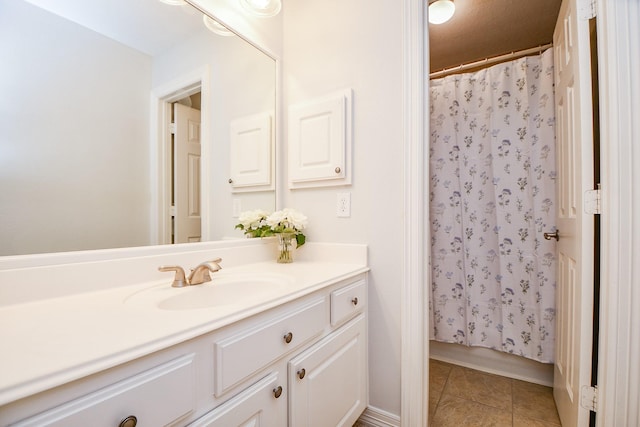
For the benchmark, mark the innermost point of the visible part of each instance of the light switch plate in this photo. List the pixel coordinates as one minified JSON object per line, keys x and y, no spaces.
{"x":237,"y":207}
{"x":343,"y":205}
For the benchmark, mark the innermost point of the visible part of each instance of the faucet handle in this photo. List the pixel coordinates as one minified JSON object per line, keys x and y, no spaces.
{"x":179,"y":280}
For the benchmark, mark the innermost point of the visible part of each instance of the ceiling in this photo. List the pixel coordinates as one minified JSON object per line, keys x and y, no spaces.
{"x":485,"y":28}
{"x":120,"y":20}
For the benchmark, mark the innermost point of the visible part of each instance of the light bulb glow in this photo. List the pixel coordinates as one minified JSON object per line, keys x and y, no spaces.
{"x":174,"y":2}
{"x":260,"y":4}
{"x":441,"y":11}
{"x":262,"y":8}
{"x":216,"y":27}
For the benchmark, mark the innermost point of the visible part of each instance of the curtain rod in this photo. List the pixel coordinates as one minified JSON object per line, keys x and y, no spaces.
{"x":489,"y":61}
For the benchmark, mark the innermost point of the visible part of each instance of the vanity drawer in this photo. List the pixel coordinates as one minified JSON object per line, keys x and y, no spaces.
{"x":347,"y":301}
{"x":243,"y":354}
{"x":157,"y":397}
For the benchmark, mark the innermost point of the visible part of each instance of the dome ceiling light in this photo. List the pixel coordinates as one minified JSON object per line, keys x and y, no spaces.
{"x":216,"y":27}
{"x":440,"y":11}
{"x":262,"y":8}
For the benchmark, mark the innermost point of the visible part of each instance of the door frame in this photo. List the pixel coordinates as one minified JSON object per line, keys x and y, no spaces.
{"x":619,"y":386}
{"x":161,"y":156}
{"x":618,"y":66}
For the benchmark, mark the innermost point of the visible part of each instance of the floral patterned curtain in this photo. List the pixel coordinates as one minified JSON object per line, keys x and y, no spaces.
{"x":492,"y":195}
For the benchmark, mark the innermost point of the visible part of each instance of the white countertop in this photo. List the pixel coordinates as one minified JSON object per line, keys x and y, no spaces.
{"x":53,"y":341}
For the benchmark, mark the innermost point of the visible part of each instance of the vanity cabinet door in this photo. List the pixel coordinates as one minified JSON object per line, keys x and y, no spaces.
{"x":328,"y":382}
{"x":262,"y":404}
{"x":160,"y":396}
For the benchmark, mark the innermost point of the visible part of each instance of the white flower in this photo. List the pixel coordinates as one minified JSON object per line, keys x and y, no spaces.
{"x":296,"y":219}
{"x":287,"y":218}
{"x":251,"y":220}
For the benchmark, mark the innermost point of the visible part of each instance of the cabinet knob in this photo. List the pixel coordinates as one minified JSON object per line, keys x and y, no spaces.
{"x":230,"y":181}
{"x":277,"y":392}
{"x":337,"y":169}
{"x":130,"y":421}
{"x":355,"y":301}
{"x":288,"y":337}
{"x":302,"y":373}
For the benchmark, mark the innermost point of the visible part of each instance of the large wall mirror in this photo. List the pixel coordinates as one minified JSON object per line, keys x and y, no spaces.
{"x":89,"y":157}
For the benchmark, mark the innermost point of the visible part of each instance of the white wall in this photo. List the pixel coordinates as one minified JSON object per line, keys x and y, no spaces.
{"x":330,"y":45}
{"x":65,"y":184}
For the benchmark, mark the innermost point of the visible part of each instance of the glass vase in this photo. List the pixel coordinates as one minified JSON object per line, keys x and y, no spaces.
{"x":286,"y":245}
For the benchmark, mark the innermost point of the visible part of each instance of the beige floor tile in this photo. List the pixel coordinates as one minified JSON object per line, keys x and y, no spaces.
{"x":433,"y":404}
{"x":456,"y":412}
{"x":534,"y":401}
{"x":438,"y":374}
{"x":520,"y":421}
{"x":491,"y":390}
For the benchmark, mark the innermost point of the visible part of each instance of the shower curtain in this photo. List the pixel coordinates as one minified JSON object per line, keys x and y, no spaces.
{"x":492,"y":195}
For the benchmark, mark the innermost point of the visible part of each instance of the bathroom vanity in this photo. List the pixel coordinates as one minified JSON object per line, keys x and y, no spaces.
{"x":261,"y":344}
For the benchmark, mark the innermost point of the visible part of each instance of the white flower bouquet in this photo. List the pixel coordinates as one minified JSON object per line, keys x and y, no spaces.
{"x":258,"y":223}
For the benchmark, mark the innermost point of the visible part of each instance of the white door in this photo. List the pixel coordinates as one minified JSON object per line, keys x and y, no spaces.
{"x":186,"y":158}
{"x":574,"y":140}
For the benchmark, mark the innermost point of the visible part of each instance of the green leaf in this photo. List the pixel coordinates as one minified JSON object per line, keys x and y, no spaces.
{"x":300,"y":239}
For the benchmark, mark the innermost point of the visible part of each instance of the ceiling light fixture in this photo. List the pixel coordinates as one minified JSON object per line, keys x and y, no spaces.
{"x":174,"y":2}
{"x":441,"y":11}
{"x":216,"y":27}
{"x":262,"y":8}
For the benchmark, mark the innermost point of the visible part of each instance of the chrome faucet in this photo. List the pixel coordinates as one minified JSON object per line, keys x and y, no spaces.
{"x":198,"y":275}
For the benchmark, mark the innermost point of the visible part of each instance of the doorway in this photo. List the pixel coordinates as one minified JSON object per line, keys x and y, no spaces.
{"x":180,"y":195}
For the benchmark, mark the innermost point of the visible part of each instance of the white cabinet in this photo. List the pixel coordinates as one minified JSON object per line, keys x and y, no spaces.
{"x":251,"y":154}
{"x":328,"y":382}
{"x":320,"y":141}
{"x":302,"y":363}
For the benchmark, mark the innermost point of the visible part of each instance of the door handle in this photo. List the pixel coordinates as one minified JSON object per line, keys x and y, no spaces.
{"x":553,"y":235}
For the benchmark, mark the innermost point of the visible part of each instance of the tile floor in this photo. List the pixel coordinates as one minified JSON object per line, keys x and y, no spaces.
{"x":465,"y":397}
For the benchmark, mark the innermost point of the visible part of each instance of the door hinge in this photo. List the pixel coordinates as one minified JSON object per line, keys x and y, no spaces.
{"x":172,"y":211}
{"x":587,"y":9}
{"x":592,"y":201}
{"x":589,"y":397}
{"x":172,"y":128}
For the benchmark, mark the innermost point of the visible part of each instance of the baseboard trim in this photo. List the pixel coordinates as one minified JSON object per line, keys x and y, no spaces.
{"x":493,"y":362}
{"x":374,"y":417}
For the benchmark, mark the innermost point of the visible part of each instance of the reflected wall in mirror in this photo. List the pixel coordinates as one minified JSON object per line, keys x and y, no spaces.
{"x":82,"y":164}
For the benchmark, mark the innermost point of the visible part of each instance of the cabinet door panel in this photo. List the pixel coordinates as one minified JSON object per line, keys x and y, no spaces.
{"x":256,"y":406}
{"x":332,"y":391}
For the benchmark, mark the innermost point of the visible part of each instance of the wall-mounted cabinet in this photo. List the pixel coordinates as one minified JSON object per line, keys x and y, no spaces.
{"x":251,"y":154}
{"x":319,"y":141}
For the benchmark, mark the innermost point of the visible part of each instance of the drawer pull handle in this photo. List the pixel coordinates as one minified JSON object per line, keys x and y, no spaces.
{"x":288,"y":337}
{"x":277,"y":392}
{"x":337,"y":169}
{"x":355,"y":301}
{"x":130,"y":421}
{"x":302,"y":373}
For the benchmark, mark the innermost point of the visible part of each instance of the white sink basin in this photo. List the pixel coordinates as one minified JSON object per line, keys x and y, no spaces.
{"x":222,"y":291}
